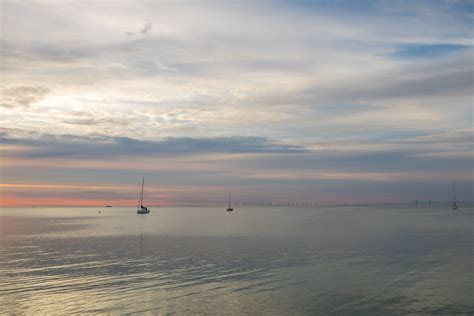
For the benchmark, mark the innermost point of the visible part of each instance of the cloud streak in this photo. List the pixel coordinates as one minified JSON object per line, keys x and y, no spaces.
{"x":104,"y":146}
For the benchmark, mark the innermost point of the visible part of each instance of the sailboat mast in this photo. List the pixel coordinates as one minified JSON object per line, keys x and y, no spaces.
{"x":229,"y":200}
{"x":454,"y":193}
{"x":141,"y":195}
{"x":140,"y":208}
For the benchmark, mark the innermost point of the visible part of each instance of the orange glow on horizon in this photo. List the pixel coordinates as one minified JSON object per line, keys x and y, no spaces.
{"x":22,"y":201}
{"x":30,"y":194}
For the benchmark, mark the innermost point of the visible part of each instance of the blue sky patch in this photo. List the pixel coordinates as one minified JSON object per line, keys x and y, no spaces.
{"x":426,"y":50}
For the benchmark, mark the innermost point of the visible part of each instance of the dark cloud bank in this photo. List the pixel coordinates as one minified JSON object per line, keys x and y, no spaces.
{"x":94,"y":147}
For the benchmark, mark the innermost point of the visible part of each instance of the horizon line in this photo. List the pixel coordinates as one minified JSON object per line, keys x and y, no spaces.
{"x":297,"y":205}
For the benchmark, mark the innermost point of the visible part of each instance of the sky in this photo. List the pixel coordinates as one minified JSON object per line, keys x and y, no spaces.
{"x":274,"y":101}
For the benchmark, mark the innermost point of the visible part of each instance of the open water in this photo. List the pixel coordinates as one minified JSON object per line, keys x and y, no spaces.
{"x":257,"y":261}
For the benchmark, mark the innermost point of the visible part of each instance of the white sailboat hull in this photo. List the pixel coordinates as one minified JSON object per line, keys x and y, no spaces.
{"x":143,"y":211}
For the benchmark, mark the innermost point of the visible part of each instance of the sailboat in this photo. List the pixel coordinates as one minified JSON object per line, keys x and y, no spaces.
{"x":229,"y":209}
{"x":140,"y":208}
{"x":454,"y":206}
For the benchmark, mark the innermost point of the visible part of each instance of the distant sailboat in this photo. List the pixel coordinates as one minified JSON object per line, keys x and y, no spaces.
{"x":454,"y":206}
{"x":140,"y":208}
{"x":229,"y":209}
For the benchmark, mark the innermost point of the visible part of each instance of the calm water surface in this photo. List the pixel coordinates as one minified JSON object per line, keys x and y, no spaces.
{"x":259,"y":261}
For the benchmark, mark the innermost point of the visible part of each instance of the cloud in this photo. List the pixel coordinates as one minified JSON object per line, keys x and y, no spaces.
{"x":462,"y":136}
{"x":448,"y":76}
{"x":21,"y":96}
{"x":105,"y":146}
{"x":146,"y":28}
{"x":92,"y":118}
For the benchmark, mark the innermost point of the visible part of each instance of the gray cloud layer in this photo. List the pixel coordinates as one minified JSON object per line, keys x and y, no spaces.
{"x":109,"y":147}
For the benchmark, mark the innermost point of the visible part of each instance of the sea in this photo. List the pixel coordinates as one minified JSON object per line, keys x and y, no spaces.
{"x":364,"y":260}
